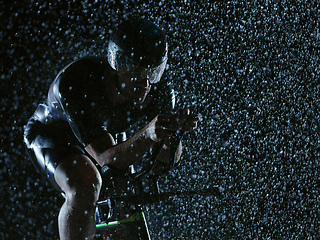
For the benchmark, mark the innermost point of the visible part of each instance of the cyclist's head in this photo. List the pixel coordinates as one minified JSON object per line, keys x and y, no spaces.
{"x":138,"y":47}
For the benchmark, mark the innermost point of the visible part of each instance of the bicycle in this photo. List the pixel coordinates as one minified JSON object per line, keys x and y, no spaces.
{"x":120,"y":205}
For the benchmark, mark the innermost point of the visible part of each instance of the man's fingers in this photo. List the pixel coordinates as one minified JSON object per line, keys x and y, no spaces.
{"x":164,"y":133}
{"x":190,"y":123}
{"x":193,"y":117}
{"x":171,"y":118}
{"x":168,"y":126}
{"x":177,"y":121}
{"x":189,"y":126}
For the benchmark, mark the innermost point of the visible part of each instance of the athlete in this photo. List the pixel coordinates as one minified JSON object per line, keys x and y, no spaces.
{"x":91,"y":120}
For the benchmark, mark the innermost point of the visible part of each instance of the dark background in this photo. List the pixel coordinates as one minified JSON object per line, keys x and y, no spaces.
{"x":250,"y":70}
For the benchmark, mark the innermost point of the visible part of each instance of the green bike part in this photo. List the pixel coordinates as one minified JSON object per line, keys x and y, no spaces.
{"x":133,"y":218}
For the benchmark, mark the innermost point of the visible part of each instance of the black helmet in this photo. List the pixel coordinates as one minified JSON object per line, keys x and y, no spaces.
{"x":139,"y":43}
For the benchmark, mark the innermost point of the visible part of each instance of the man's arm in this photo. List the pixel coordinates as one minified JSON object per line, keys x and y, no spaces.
{"x":129,"y":152}
{"x":122,"y":155}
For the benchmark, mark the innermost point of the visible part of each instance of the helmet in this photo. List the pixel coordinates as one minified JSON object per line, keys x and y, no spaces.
{"x":139,"y":44}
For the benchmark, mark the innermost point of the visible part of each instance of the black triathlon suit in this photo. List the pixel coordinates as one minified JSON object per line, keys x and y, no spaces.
{"x":77,"y":112}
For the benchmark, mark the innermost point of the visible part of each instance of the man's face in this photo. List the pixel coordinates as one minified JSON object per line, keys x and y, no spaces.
{"x":134,"y":83}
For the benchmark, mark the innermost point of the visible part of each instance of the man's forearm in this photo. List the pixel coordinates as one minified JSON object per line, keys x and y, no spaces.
{"x":129,"y":152}
{"x":124,"y":154}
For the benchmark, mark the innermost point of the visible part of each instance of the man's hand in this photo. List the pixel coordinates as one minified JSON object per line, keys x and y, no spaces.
{"x":164,"y":126}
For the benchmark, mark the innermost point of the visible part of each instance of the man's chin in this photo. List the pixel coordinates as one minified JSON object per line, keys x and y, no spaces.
{"x":139,"y":99}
